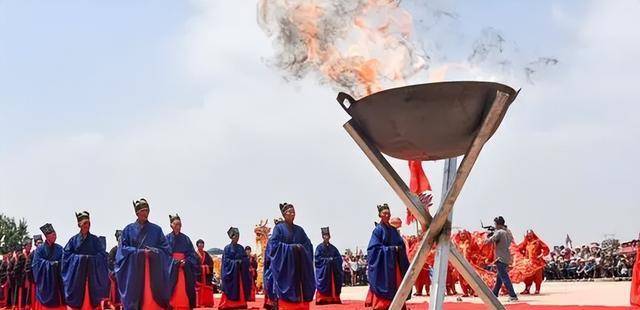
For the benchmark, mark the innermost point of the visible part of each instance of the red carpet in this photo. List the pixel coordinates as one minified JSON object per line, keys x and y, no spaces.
{"x":357,"y":305}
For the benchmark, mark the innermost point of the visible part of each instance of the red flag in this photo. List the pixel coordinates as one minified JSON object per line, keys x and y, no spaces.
{"x":418,"y":183}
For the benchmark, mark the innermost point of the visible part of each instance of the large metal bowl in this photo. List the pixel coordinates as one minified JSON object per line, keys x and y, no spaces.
{"x":427,"y":121}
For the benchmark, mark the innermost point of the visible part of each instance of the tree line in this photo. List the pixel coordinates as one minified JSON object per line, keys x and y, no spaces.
{"x":12,"y":233}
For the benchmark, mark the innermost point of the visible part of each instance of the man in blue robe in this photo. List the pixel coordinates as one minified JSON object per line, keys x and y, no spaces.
{"x":143,"y":262}
{"x":267,"y":279}
{"x":84,"y":267}
{"x":328,"y":263}
{"x":291,"y":262}
{"x":46,"y":272}
{"x":236,"y":279}
{"x":387,"y":262}
{"x":185,"y":261}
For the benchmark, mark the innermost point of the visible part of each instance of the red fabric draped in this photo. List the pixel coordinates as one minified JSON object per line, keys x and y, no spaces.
{"x":241,"y":303}
{"x":452,"y":279}
{"x":19,"y":306}
{"x":5,"y":293}
{"x":285,"y":305}
{"x":86,"y":303}
{"x":254,"y":289}
{"x":477,"y":254}
{"x":38,"y":306}
{"x":204,"y":291}
{"x":113,"y":292}
{"x":148,"y":303}
{"x":528,"y":259}
{"x":333,"y":298}
{"x":635,"y":281}
{"x":179,"y":299}
{"x":417,"y":184}
{"x":423,"y":282}
{"x":378,"y":303}
{"x":32,"y":292}
{"x":527,"y":256}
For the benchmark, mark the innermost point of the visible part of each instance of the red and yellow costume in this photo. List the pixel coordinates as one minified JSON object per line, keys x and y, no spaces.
{"x":423,"y":282}
{"x":530,"y":267}
{"x":452,"y":279}
{"x":469,"y":248}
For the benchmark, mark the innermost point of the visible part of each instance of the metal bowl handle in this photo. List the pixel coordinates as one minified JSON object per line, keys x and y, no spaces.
{"x":342,"y":97}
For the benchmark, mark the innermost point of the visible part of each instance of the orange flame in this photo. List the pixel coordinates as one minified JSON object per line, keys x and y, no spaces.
{"x":368,"y":51}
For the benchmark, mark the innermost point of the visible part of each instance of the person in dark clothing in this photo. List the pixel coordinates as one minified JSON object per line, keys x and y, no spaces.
{"x":502,"y":238}
{"x":204,"y":287}
{"x":114,"y":296}
{"x":28,"y":269}
{"x":22,"y":284}
{"x":111,"y":259}
{"x":253,"y":271}
{"x":20,"y":277}
{"x":4,"y":280}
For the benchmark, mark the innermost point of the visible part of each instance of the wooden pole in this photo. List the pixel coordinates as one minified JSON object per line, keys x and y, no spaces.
{"x":489,"y":124}
{"x":441,"y":262}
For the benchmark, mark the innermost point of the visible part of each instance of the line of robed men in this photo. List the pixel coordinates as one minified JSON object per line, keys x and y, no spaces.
{"x":154,"y":271}
{"x":288,"y":267}
{"x":16,"y":278}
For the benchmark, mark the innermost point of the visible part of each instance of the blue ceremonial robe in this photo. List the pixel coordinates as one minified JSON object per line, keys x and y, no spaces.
{"x":46,"y":273}
{"x":130,"y":264}
{"x":382,"y":259}
{"x":85,"y":260}
{"x":269,"y":292}
{"x":182,"y":244}
{"x":291,"y":266}
{"x":235,"y":264}
{"x":328,"y":262}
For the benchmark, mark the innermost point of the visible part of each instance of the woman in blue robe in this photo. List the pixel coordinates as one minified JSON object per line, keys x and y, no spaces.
{"x":185,"y":267}
{"x":387,"y":262}
{"x":291,"y":263}
{"x":328,"y":263}
{"x":84,"y":267}
{"x":236,"y":279}
{"x":46,"y":272}
{"x":143,"y":261}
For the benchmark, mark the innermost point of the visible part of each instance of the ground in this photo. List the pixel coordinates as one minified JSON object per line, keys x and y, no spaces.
{"x":553,"y":293}
{"x":601,"y":295}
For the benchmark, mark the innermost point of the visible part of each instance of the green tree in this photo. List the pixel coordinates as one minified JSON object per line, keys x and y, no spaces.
{"x":12,"y":233}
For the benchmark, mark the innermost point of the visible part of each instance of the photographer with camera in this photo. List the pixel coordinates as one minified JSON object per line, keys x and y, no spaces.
{"x":502,"y":239}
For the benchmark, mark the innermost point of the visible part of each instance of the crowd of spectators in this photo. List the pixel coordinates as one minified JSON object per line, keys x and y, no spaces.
{"x":354,"y":266}
{"x":606,"y":260}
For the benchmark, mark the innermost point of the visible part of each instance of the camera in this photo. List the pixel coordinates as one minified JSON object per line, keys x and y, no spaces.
{"x":490,"y":229}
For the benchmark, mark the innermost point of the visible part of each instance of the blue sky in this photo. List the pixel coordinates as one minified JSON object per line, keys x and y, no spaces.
{"x":101,"y":103}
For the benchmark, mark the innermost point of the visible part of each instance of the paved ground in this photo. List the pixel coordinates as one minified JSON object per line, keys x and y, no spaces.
{"x":553,"y":293}
{"x":603,"y":294}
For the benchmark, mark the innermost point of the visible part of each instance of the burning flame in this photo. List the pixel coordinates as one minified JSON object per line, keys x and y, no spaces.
{"x":360,"y":46}
{"x":365,"y":46}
